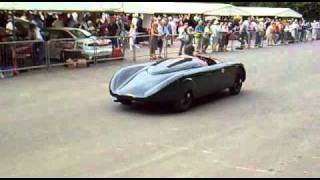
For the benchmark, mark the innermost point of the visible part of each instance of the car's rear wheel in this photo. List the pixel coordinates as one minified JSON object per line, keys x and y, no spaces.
{"x":236,"y":87}
{"x":184,"y":103}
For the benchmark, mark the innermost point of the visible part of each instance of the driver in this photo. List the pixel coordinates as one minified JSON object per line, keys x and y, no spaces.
{"x":190,"y":52}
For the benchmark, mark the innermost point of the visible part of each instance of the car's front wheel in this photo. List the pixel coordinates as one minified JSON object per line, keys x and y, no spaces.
{"x":184,"y":103}
{"x":236,"y":87}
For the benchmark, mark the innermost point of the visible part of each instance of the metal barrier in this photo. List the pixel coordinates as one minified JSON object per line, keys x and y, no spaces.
{"x":19,"y":56}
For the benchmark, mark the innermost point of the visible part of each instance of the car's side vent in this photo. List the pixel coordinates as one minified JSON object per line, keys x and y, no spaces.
{"x":180,"y":62}
{"x":160,"y":61}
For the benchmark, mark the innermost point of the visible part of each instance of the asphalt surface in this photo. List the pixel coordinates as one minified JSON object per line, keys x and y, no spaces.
{"x":63,"y":123}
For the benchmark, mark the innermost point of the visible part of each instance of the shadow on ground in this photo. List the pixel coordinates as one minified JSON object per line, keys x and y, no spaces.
{"x":163,"y":109}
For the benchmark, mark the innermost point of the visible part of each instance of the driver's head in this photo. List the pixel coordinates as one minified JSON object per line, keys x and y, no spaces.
{"x":189,"y":50}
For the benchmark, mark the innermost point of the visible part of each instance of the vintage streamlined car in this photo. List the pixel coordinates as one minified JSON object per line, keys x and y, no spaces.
{"x":176,"y":81}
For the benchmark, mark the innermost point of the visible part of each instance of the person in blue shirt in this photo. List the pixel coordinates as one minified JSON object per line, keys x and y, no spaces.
{"x":198,"y":35}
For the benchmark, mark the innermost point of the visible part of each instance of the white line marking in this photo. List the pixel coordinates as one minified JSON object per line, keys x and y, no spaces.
{"x":251,"y":169}
{"x":174,"y":129}
{"x":262,"y":170}
{"x":149,"y":143}
{"x":207,"y":152}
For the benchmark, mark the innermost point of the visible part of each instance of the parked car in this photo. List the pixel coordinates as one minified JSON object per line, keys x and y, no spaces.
{"x":23,"y":50}
{"x":75,"y":38}
{"x":176,"y":81}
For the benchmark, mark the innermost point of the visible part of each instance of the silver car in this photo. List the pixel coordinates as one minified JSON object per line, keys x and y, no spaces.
{"x":75,"y":38}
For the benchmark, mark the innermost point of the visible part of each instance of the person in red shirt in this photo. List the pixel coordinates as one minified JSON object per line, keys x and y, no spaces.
{"x":274,"y":31}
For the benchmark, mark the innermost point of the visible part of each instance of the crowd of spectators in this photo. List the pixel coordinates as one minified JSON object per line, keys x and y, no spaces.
{"x":192,"y":31}
{"x":217,"y":32}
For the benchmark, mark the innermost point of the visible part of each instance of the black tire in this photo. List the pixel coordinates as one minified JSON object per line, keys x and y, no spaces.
{"x":184,"y":103}
{"x":126,"y":102}
{"x":236,"y":87}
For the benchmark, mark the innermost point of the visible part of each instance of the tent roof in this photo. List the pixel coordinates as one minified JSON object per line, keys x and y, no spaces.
{"x":219,"y":9}
{"x":228,"y":10}
{"x":62,"y":6}
{"x":170,"y":7}
{"x":266,"y":11}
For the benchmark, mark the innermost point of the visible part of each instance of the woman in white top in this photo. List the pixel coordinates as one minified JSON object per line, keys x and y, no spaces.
{"x":133,"y":35}
{"x":314,"y":30}
{"x":269,"y":36}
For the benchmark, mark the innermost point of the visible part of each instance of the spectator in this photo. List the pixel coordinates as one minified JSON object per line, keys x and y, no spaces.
{"x":223,"y":40}
{"x":154,"y":38}
{"x":183,"y":37}
{"x":278,"y":28}
{"x":6,"y":51}
{"x":102,"y":27}
{"x":296,"y":30}
{"x":112,"y":31}
{"x":91,"y":27}
{"x":58,"y":23}
{"x":269,"y":36}
{"x":49,"y":19}
{"x":198,"y":35}
{"x":192,"y":22}
{"x":206,"y":37}
{"x":286,"y":33}
{"x":314,"y":30}
{"x":118,"y":32}
{"x":172,"y":29}
{"x":35,"y":29}
{"x":164,"y":33}
{"x":38,"y":47}
{"x":244,"y":33}
{"x":37,"y":20}
{"x":215,"y":35}
{"x":132,"y":34}
{"x":308,"y":30}
{"x":189,"y":48}
{"x":122,"y":33}
{"x":251,"y":30}
{"x":135,"y":20}
{"x":259,"y":33}
{"x":139,"y":24}
{"x":82,"y":23}
{"x":275,"y":32}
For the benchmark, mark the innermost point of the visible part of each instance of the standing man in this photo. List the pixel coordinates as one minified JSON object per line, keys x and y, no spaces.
{"x":58,"y":23}
{"x":314,"y":30}
{"x":164,"y":33}
{"x":198,"y":35}
{"x":206,"y":37}
{"x":112,"y":31}
{"x":244,"y":32}
{"x":259,"y":33}
{"x":172,"y":28}
{"x":214,"y":35}
{"x":182,"y":36}
{"x":252,"y":29}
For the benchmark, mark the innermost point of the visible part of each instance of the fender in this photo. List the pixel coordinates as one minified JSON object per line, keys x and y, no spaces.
{"x":188,"y":84}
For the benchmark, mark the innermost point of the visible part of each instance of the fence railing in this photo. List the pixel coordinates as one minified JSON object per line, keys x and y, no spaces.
{"x":19,"y":56}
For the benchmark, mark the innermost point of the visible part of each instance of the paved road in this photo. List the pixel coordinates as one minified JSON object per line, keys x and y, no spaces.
{"x":64,"y":124}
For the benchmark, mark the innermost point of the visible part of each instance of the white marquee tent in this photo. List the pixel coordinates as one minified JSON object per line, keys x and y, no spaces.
{"x":266,"y":11}
{"x":218,"y":9}
{"x":228,"y":10}
{"x":170,"y":7}
{"x":62,"y":6}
